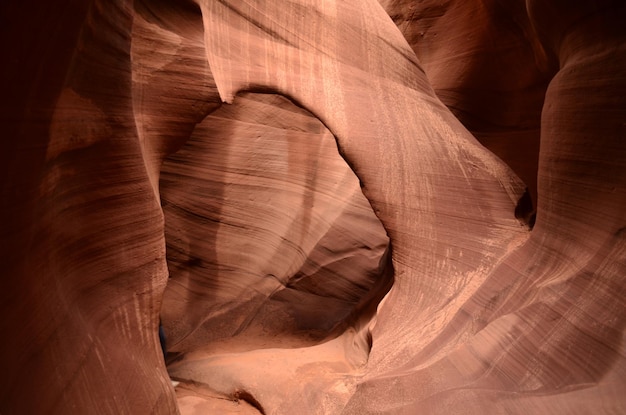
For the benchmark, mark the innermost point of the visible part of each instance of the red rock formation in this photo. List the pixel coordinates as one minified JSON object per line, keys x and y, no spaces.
{"x":268,"y":234}
{"x":82,"y":243}
{"x":488,"y":66}
{"x":484,"y":316}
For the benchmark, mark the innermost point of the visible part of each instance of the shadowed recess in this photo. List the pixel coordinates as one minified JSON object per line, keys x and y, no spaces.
{"x":268,"y":234}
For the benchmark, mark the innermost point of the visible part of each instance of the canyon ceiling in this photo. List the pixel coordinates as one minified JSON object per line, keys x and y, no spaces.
{"x":330,"y":206}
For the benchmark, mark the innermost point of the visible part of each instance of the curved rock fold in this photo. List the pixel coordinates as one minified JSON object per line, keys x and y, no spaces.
{"x":327,"y":205}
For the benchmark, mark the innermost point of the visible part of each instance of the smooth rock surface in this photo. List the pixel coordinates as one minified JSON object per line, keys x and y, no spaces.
{"x":486,"y":63}
{"x":175,"y":161}
{"x":268,"y":234}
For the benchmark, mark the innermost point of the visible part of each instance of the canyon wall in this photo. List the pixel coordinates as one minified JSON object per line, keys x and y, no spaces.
{"x":319,"y":201}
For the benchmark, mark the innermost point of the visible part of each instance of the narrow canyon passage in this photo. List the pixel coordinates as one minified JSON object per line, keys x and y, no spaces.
{"x":320,"y":200}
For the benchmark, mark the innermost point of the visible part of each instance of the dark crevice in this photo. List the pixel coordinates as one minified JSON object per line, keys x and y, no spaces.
{"x":247,"y":397}
{"x":524,"y":210}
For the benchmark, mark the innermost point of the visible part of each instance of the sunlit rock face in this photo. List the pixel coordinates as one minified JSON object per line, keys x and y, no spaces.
{"x":234,"y":169}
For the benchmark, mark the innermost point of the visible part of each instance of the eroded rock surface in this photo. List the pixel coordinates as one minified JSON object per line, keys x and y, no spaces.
{"x":141,"y":180}
{"x":267,"y":230}
{"x":486,"y":63}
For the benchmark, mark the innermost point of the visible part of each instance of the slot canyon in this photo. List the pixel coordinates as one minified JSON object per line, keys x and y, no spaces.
{"x":313,"y":207}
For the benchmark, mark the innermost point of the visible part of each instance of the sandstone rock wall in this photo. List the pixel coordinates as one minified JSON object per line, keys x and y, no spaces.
{"x":132,"y":147}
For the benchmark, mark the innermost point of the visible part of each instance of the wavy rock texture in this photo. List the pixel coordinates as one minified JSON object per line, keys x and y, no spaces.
{"x":130,"y":193}
{"x":487,"y":65}
{"x":267,"y":229}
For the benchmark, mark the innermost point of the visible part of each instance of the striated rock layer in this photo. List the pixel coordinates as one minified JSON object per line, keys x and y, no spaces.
{"x":267,"y":230}
{"x":175,"y":161}
{"x":488,"y":66}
